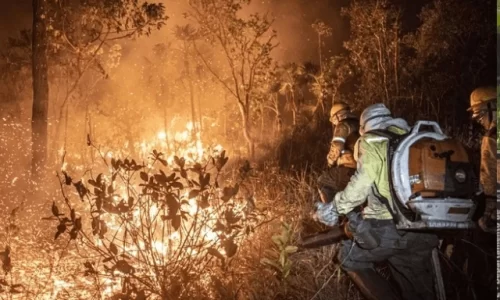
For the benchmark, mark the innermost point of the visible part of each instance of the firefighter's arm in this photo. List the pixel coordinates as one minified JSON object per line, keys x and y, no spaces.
{"x":360,"y":185}
{"x":340,"y":134}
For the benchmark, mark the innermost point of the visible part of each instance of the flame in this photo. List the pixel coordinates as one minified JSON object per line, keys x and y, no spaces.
{"x":186,"y":144}
{"x":162,"y":135}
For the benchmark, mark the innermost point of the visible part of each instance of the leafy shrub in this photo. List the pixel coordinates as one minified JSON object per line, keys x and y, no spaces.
{"x":149,"y":231}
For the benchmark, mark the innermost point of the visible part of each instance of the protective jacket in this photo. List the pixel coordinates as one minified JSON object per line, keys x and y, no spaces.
{"x":345,"y":135}
{"x":488,"y":174}
{"x":370,"y":182}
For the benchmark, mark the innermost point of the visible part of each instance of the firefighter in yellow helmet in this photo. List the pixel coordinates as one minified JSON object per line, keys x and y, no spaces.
{"x":340,"y":158}
{"x":345,"y":135}
{"x":483,"y":107}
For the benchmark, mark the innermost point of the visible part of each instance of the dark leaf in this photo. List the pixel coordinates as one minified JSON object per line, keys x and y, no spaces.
{"x":193,"y":194}
{"x":104,"y":229}
{"x":78,"y":224}
{"x":230,"y":247}
{"x":171,"y":177}
{"x":73,"y":234}
{"x":179,"y":161}
{"x":177,"y":185}
{"x":95,"y":226}
{"x":140,"y":295}
{"x":144,"y":176}
{"x":81,"y":189}
{"x":89,"y":268}
{"x":130,"y":201}
{"x":67,"y":179}
{"x":183,"y":173}
{"x":216,"y":253}
{"x":163,"y":162}
{"x":161,"y":179}
{"x":107,"y":259}
{"x":204,"y":201}
{"x":176,"y":222}
{"x":227,"y":193}
{"x":61,"y":228}
{"x":113,"y":249}
{"x":173,"y":204}
{"x":73,"y":216}
{"x":88,"y":140}
{"x":99,"y":180}
{"x":154,"y":196}
{"x":219,"y":226}
{"x":55,"y":210}
{"x":124,"y":267}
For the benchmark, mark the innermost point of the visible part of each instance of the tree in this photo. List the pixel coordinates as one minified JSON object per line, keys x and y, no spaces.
{"x":374,"y":47}
{"x":75,"y":32}
{"x":40,"y":89}
{"x":246,"y":45}
{"x":289,"y":80}
{"x":187,"y":34}
{"x":322,"y":30}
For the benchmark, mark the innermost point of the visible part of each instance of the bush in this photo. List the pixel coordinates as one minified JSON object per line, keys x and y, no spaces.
{"x":149,"y":232}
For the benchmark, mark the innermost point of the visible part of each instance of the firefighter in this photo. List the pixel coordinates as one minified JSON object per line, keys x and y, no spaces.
{"x":340,"y":158}
{"x":483,"y":107}
{"x":376,"y":238}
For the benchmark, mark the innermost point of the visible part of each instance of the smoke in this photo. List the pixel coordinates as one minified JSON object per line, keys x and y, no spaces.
{"x":127,"y":87}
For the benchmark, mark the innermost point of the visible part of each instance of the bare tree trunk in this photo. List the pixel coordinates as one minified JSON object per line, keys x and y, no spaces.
{"x":396,"y":58}
{"x":294,"y":107}
{"x":200,"y":117}
{"x":319,"y":52}
{"x":39,"y":122}
{"x":262,"y":120}
{"x":279,"y":121}
{"x":191,"y":90}
{"x":246,"y":128}
{"x":166,"y":94}
{"x":225,"y":116}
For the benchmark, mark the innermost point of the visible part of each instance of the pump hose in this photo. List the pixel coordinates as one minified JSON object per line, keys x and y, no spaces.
{"x":331,"y":236}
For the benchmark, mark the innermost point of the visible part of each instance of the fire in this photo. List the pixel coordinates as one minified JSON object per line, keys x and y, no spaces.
{"x":182,"y":247}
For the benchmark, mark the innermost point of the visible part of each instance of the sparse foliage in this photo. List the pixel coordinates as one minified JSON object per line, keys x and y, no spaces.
{"x":246,"y":45}
{"x":157,"y":233}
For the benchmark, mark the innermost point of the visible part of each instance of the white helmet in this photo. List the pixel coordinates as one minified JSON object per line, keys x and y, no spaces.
{"x":372,"y":114}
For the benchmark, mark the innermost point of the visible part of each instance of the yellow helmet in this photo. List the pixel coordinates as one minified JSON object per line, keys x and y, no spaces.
{"x":482,"y":99}
{"x":336,"y":109}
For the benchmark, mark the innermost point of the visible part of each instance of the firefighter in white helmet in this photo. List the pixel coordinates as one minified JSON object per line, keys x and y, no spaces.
{"x":340,"y":158}
{"x":483,"y":107}
{"x":376,"y":237}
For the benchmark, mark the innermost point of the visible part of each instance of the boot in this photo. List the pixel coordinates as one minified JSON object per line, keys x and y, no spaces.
{"x":372,"y":285}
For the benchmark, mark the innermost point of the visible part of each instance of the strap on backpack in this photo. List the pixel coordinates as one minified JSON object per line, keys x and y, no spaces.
{"x":393,"y":141}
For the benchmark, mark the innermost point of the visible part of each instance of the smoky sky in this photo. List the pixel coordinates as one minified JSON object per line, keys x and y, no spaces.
{"x":293,"y":19}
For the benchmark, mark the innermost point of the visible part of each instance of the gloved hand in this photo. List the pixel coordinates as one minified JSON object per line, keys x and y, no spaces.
{"x":331,"y":161}
{"x":326,"y":213}
{"x":488,"y":222}
{"x":487,"y":225}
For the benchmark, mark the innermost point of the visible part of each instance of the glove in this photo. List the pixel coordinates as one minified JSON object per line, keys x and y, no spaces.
{"x":330,"y":161}
{"x":488,"y":222}
{"x":326,"y":213}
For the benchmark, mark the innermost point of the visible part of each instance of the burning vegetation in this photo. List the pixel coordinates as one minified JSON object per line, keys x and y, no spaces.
{"x":149,"y":156}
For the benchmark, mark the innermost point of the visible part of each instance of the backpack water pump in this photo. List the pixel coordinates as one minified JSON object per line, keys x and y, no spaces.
{"x":432,"y":180}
